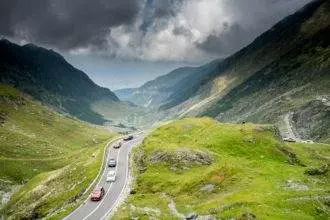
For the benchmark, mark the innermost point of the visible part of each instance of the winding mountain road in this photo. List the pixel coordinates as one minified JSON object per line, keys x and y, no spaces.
{"x":113,"y":191}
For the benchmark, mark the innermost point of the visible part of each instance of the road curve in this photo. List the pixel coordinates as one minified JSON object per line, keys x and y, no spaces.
{"x":113,"y":191}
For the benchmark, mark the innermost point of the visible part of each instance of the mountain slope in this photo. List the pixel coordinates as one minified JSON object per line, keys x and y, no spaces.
{"x":47,"y":159}
{"x":292,"y":81}
{"x":165,"y":89}
{"x":291,"y":33}
{"x":46,"y":75}
{"x":289,"y":84}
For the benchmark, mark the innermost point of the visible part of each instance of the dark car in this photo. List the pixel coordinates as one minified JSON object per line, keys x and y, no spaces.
{"x":112,"y":162}
{"x":97,"y":194}
{"x":128,"y":137}
{"x":117,"y":145}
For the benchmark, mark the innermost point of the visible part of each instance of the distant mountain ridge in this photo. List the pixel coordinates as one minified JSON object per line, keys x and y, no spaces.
{"x":155,"y":92}
{"x":167,"y":89}
{"x":48,"y":77}
{"x":285,"y":70}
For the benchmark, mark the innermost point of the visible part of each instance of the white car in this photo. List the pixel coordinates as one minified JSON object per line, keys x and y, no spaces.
{"x":111,"y":176}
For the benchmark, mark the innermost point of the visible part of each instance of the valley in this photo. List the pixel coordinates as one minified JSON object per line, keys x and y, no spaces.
{"x":244,"y":136}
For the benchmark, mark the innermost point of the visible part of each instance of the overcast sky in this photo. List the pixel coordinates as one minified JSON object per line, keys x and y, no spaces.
{"x":123,"y":43}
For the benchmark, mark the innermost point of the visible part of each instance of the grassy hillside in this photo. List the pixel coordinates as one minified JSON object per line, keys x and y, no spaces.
{"x":47,"y":159}
{"x":227,"y":171}
{"x":292,"y":83}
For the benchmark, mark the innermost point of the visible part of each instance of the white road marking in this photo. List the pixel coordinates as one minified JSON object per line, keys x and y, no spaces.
{"x":103,"y":199}
{"x":122,"y":190}
{"x":108,"y":148}
{"x":104,"y":170}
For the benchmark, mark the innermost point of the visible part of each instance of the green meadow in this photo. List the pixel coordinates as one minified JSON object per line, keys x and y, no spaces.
{"x":226,"y":171}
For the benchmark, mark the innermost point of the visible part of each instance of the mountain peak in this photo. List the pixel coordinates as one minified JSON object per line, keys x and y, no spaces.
{"x":47,"y":76}
{"x":5,"y":41}
{"x":31,"y":45}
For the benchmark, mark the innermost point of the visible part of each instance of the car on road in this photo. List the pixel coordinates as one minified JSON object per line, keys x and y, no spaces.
{"x":97,"y":194}
{"x":128,"y":137}
{"x":111,"y":176}
{"x":118,"y":145}
{"x":112,"y":162}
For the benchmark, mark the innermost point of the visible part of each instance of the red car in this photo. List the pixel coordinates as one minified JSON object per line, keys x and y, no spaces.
{"x":97,"y":194}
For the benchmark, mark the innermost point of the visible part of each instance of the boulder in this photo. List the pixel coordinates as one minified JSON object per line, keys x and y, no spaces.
{"x":181,"y":157}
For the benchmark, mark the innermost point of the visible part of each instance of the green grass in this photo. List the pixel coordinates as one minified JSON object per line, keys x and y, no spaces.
{"x":250,"y":172}
{"x":53,"y":158}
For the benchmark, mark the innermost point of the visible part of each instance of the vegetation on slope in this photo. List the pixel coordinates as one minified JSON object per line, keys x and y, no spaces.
{"x":292,"y":83}
{"x":48,"y":77}
{"x":48,"y":158}
{"x":227,"y":171}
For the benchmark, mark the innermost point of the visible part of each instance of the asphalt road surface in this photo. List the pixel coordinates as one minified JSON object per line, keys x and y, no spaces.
{"x":113,"y":191}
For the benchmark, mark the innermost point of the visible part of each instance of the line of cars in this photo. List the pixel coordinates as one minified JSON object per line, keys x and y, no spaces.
{"x":98,"y":194}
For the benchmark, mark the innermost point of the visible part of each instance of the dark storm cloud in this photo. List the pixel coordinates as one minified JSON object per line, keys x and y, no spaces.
{"x":158,"y":9}
{"x":250,"y":18}
{"x":65,"y":24}
{"x":181,"y":30}
{"x":143,"y":29}
{"x":228,"y":41}
{"x":165,"y":8}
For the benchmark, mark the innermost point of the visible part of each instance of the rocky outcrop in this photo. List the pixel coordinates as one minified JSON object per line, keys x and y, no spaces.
{"x":318,"y":170}
{"x":311,"y":121}
{"x":182,"y":157}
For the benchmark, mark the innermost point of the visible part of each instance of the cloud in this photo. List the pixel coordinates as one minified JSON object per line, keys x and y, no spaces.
{"x":65,"y":24}
{"x":153,"y":30}
{"x":158,"y":9}
{"x":226,"y":42}
{"x":244,"y":21}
